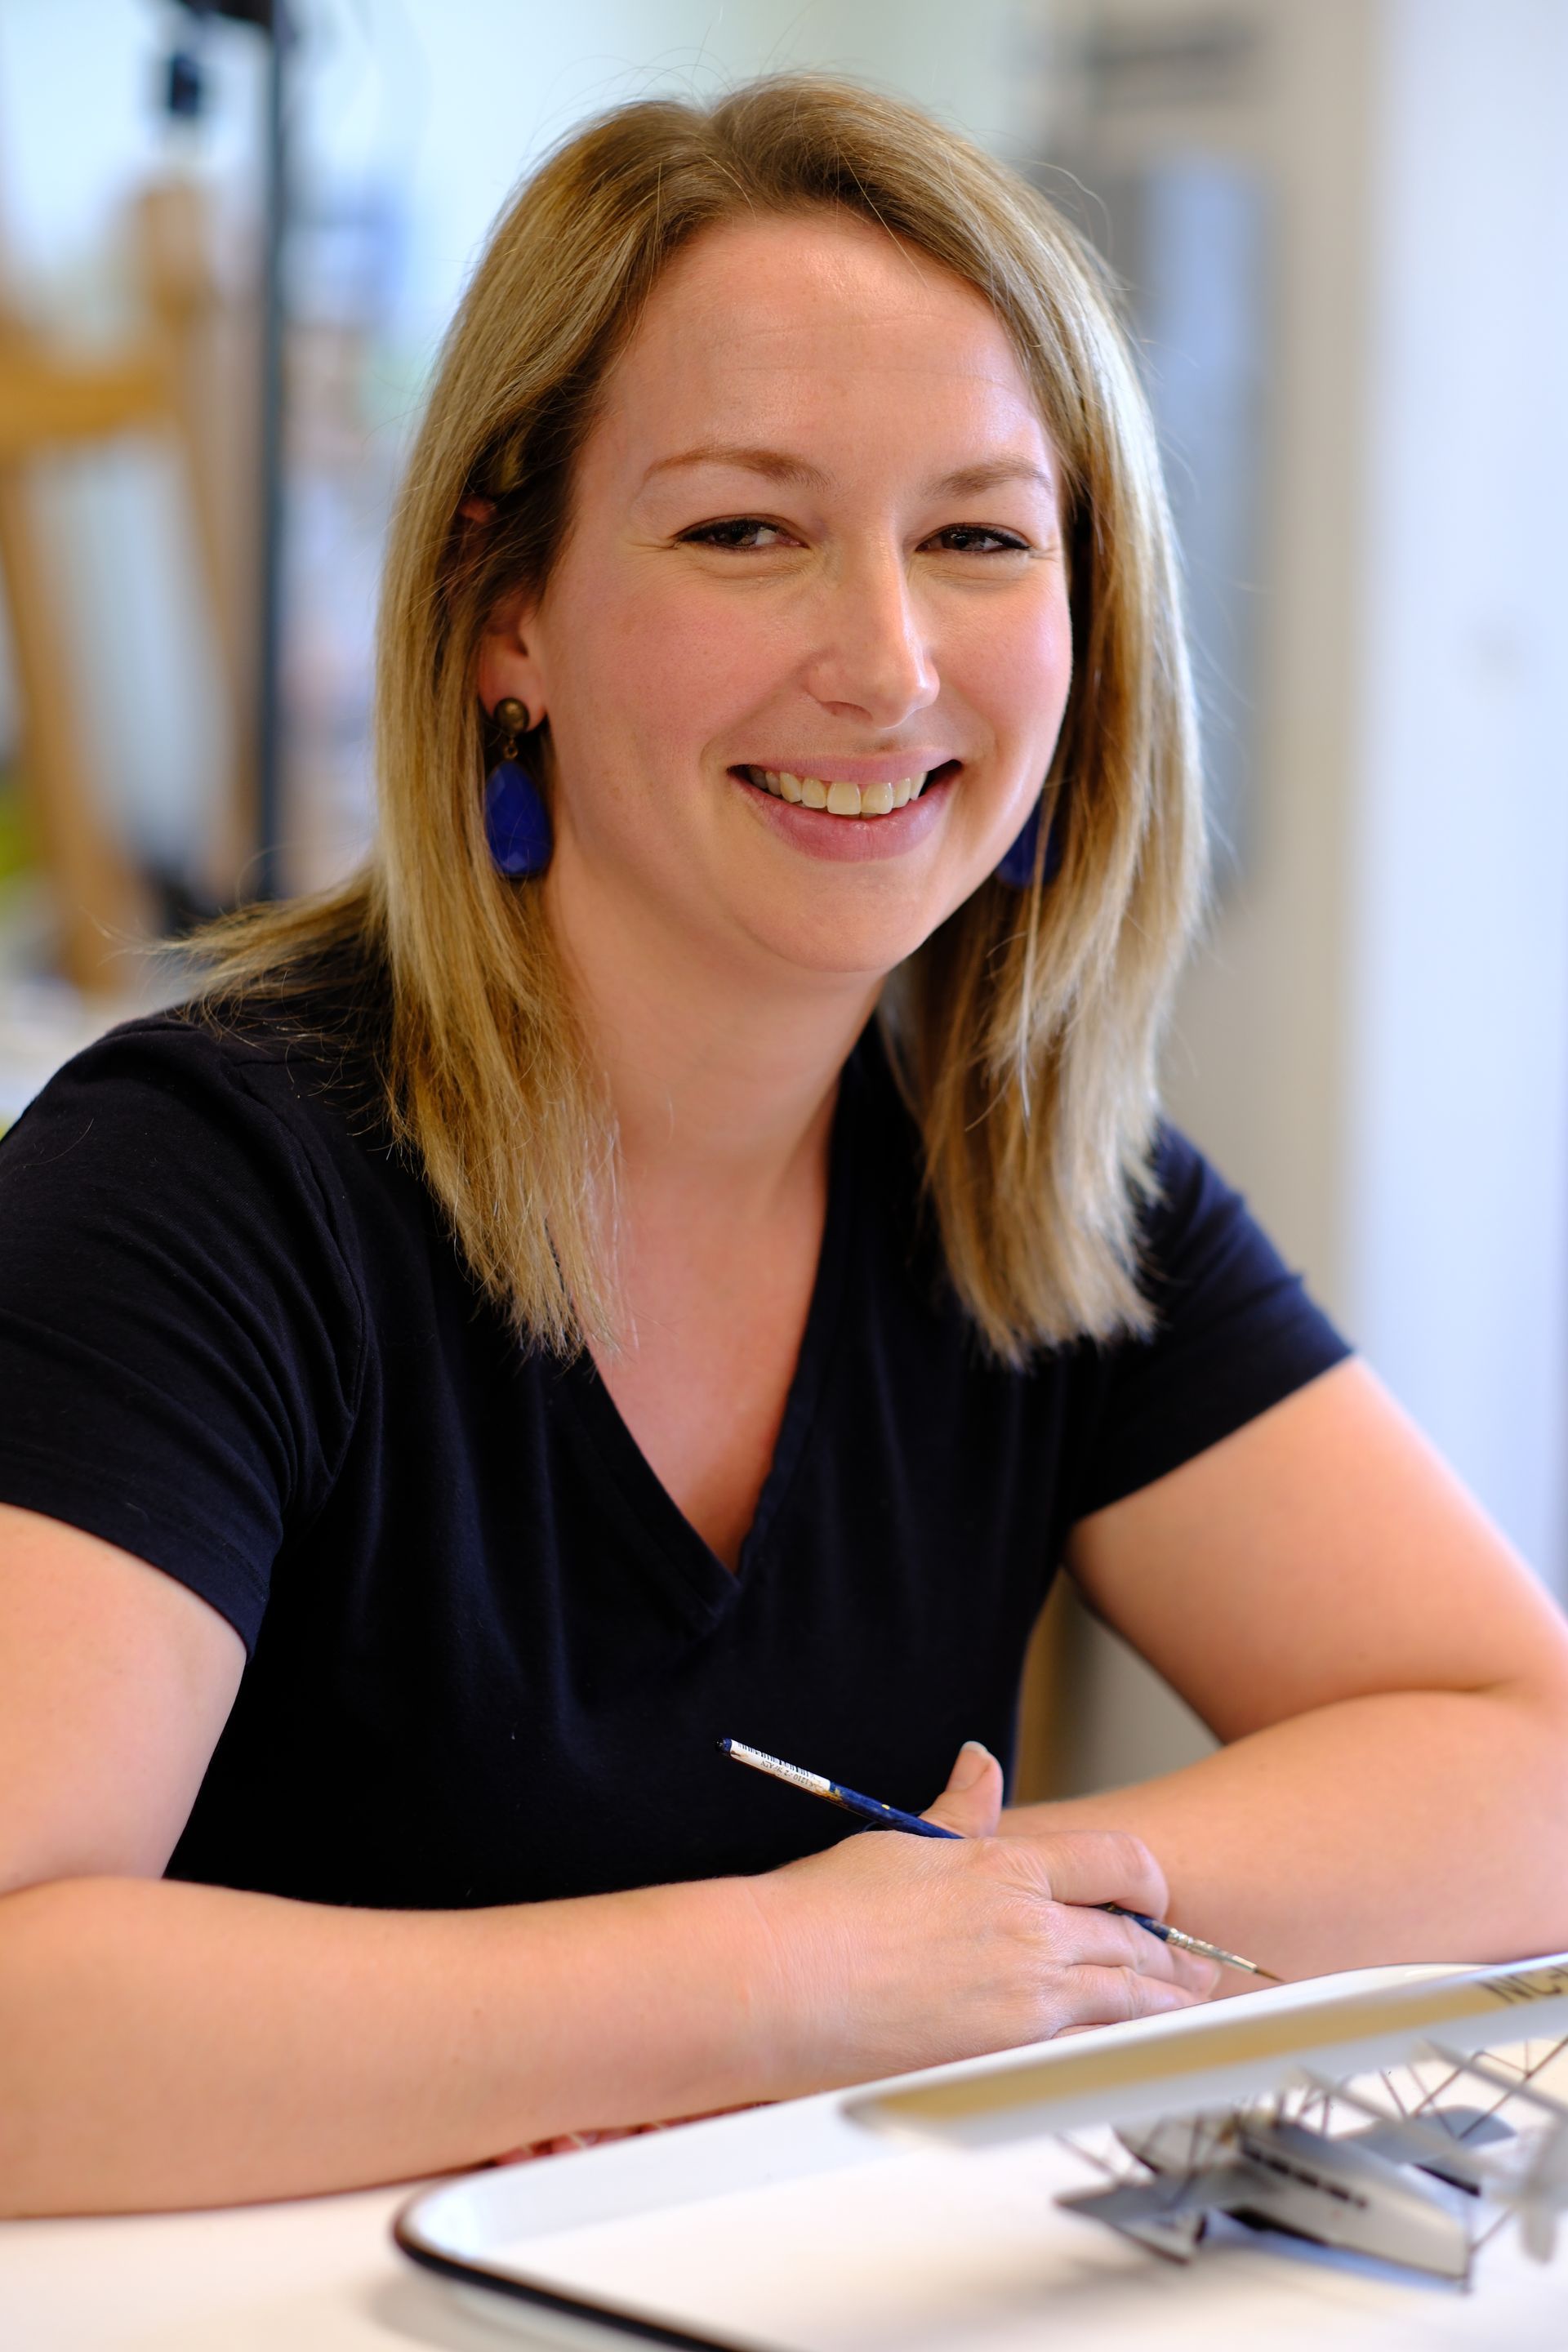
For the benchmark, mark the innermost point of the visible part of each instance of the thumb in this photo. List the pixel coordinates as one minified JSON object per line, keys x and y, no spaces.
{"x":971,"y":1802}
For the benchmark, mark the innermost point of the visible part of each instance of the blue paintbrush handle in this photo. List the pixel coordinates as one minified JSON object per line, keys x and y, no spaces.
{"x":871,"y":1809}
{"x":1140,"y":1919}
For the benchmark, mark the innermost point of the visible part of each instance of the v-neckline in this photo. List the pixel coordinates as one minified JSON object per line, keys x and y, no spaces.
{"x":666,"y":1526}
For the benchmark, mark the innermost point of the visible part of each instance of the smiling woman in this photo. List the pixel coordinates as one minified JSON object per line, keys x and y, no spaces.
{"x":841,"y":306}
{"x":548,"y":1309}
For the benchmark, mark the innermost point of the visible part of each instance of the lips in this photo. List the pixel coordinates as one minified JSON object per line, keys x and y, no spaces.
{"x":843,"y":796}
{"x":835,"y":834}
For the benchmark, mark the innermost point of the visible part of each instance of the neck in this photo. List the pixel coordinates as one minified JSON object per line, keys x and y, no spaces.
{"x":722,"y":1074}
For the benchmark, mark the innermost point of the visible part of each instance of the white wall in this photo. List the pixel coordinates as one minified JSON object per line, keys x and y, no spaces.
{"x":1456,"y":1174}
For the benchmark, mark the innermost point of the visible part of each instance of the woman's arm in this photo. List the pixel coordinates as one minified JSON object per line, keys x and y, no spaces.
{"x":164,"y":2043}
{"x":1391,"y":1682}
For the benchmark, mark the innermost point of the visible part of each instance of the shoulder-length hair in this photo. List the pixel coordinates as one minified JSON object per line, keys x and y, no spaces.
{"x":1024,"y":1032}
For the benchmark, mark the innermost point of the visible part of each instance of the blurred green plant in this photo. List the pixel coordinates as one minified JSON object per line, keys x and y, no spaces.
{"x":18,"y":849}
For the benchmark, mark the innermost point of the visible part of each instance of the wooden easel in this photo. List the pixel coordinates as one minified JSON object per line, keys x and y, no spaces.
{"x":49,"y":403}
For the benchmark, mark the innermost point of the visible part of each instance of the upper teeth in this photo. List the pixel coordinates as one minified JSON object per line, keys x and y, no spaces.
{"x":837,"y":798}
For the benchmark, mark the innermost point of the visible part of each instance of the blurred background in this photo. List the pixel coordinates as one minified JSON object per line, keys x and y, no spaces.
{"x":228,"y":250}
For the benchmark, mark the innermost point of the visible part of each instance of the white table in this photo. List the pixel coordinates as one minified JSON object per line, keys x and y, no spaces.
{"x":323,"y":2276}
{"x":319,"y":2276}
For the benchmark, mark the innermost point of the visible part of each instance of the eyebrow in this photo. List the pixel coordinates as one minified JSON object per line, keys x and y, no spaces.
{"x":971,"y":478}
{"x":778,"y":466}
{"x":775,"y":464}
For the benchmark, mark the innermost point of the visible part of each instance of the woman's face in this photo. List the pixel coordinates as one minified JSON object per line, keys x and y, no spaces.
{"x":814,"y":536}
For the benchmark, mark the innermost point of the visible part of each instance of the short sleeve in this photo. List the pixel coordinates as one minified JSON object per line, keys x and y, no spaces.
{"x":179,"y":1331}
{"x":1235,"y":1332}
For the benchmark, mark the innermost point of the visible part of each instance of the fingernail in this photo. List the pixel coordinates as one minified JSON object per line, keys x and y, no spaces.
{"x":973,"y":1759}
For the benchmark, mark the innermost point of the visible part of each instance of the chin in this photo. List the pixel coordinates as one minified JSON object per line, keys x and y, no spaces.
{"x":837,"y":940}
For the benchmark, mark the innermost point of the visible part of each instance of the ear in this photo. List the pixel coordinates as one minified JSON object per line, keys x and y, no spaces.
{"x":508,"y":661}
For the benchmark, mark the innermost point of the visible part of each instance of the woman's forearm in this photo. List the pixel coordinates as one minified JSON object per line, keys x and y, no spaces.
{"x":1416,"y":1826}
{"x":168,"y":2044}
{"x":165,"y":2044}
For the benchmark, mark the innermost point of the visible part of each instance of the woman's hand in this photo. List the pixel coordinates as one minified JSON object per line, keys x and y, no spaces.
{"x":895,"y":1951}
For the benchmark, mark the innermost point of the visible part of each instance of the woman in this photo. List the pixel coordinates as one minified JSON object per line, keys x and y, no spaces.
{"x":529,"y":1325}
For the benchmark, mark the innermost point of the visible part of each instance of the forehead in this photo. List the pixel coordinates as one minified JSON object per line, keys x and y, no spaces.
{"x":809,"y":329}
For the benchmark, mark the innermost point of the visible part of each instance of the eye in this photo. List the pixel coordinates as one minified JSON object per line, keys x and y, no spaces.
{"x":978,"y":538}
{"x":746,"y":532}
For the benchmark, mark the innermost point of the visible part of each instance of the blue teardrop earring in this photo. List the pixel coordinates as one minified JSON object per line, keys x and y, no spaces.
{"x":517,"y":822}
{"x":1017,"y":868}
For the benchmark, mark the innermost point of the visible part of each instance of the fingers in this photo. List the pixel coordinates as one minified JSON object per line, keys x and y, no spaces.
{"x":1100,"y":1940}
{"x":971,"y":1802}
{"x":1110,"y":1996}
{"x":1097,"y":1866}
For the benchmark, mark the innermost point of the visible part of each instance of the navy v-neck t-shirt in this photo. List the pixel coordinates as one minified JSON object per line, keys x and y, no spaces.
{"x":488,"y":1659}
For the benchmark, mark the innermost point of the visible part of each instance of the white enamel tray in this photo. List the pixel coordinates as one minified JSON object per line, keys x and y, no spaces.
{"x":793,"y":2229}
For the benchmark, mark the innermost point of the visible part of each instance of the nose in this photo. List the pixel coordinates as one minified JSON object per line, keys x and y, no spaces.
{"x":871,"y":660}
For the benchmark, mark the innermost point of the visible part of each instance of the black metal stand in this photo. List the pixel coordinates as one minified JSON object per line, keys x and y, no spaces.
{"x":269,"y":650}
{"x":264,"y":879}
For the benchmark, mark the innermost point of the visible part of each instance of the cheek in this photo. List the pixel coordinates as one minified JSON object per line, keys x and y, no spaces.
{"x":670,"y":671}
{"x":1016,"y":669}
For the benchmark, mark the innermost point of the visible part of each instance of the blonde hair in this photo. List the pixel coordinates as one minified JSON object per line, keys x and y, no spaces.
{"x":1024,"y":1032}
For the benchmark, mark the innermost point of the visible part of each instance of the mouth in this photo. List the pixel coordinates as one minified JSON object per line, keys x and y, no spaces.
{"x":836,"y":796}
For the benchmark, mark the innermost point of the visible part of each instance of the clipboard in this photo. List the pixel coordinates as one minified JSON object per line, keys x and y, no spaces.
{"x":794,"y":2229}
